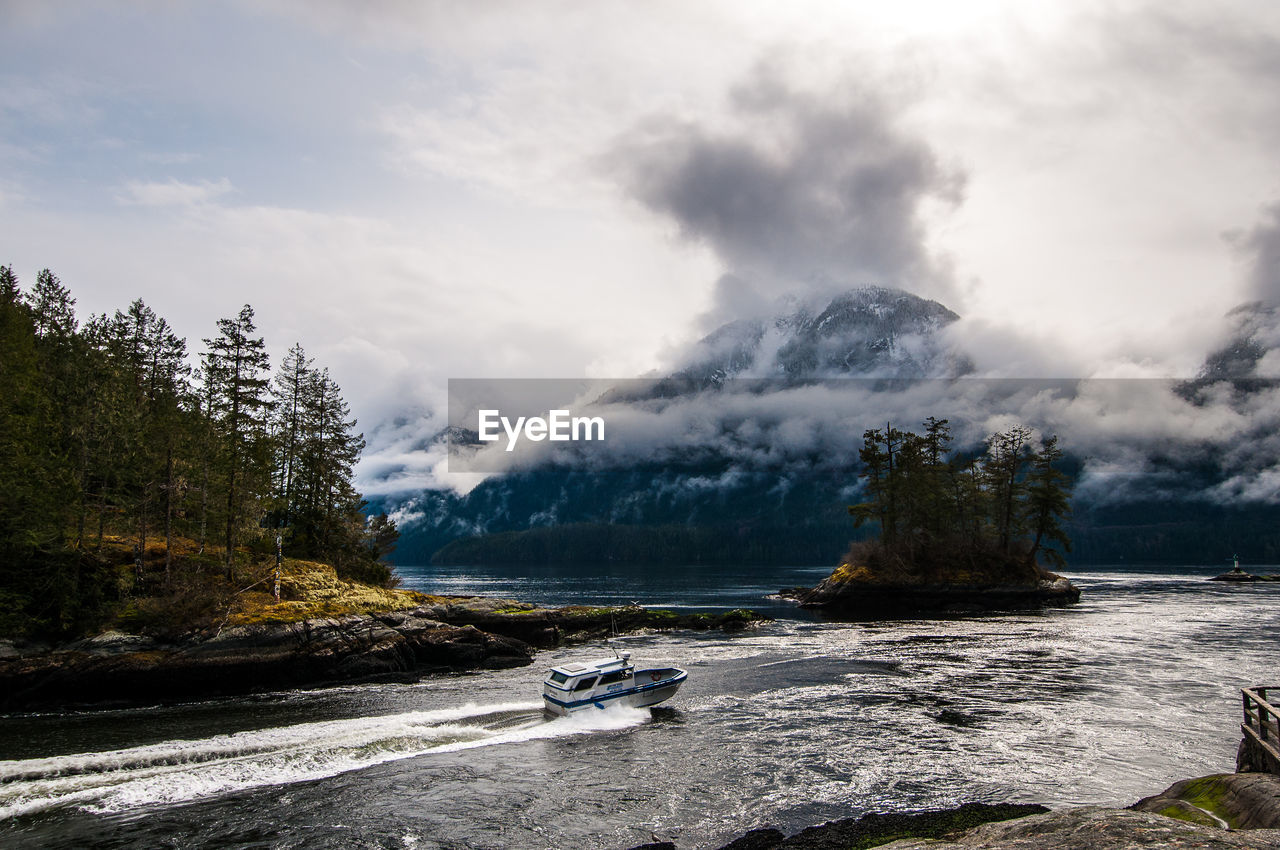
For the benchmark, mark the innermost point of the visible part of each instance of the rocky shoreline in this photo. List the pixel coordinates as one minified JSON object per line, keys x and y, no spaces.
{"x":451,"y":634}
{"x":855,"y":597}
{"x":1239,"y":575}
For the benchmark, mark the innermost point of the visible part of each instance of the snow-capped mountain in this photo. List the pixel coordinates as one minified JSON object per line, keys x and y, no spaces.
{"x":869,"y":332}
{"x":873,"y":332}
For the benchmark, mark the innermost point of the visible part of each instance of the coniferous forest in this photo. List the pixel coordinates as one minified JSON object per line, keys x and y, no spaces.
{"x":117,"y":444}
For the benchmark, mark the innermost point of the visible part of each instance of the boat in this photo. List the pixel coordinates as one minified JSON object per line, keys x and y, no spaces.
{"x":609,"y":681}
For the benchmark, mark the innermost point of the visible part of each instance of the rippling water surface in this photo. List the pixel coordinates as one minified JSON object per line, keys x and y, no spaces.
{"x":790,"y":724}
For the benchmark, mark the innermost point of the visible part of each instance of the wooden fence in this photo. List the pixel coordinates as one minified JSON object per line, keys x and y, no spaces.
{"x":1261,"y":728}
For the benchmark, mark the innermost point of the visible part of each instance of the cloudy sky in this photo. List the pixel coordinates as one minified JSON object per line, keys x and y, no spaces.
{"x":423,"y":190}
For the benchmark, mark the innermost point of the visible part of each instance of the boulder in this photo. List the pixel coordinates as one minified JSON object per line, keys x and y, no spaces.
{"x":1228,"y":800}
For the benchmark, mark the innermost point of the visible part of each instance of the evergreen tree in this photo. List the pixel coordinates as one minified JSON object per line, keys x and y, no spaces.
{"x":290,"y":388}
{"x":1007,"y":455}
{"x":234,"y":364}
{"x":328,"y":515}
{"x":381,"y":535}
{"x":52,"y":308}
{"x":875,"y":465}
{"x":10,"y":291}
{"x":60,"y":355}
{"x":1048,"y":503}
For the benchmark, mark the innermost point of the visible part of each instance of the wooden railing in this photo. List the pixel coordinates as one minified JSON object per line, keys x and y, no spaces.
{"x":1262,"y":724}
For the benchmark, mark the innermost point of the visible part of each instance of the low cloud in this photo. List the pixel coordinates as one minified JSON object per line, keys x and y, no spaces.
{"x":1261,"y":246}
{"x":802,"y":193}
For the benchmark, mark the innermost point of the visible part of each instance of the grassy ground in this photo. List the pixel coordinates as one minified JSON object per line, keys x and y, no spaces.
{"x":194,"y":594}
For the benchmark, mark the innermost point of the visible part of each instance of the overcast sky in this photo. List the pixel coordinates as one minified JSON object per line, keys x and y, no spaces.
{"x":423,"y":190}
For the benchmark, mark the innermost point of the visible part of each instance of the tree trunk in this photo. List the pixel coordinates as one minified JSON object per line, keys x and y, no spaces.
{"x":231,"y":501}
{"x":168,"y":515}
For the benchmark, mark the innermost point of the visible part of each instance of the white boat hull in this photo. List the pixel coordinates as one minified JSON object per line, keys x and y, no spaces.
{"x":647,"y":690}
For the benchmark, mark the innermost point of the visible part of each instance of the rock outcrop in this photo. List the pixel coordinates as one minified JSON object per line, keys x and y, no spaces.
{"x":1090,"y":828}
{"x":447,"y":634}
{"x":875,"y":828}
{"x":546,"y":627}
{"x":1013,"y":828}
{"x":116,"y":668}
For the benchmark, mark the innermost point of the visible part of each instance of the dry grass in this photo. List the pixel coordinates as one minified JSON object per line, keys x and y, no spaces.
{"x":196,"y":596}
{"x":852,"y":572}
{"x":310,"y":589}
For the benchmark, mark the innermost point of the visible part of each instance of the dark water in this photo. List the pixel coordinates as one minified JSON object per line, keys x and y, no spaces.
{"x":790,"y":724}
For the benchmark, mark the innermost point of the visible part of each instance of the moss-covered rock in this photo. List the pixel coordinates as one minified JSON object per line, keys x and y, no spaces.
{"x":1234,"y":800}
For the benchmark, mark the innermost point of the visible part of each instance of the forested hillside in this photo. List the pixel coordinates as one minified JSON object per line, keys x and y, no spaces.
{"x":114,"y":438}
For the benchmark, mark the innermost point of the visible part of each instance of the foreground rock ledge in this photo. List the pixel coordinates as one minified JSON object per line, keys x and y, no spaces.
{"x":1080,"y":828}
{"x":449,"y":635}
{"x":1089,"y":828}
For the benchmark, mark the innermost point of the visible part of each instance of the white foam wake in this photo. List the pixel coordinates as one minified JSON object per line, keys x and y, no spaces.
{"x":184,"y":770}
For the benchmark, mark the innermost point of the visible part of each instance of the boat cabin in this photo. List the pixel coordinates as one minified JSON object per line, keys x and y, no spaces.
{"x":607,"y":674}
{"x":609,"y":681}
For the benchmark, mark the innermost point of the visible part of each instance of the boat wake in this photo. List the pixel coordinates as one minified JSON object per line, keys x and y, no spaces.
{"x":184,"y":770}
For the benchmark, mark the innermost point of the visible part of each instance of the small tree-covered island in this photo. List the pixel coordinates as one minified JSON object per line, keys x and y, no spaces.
{"x":957,"y":531}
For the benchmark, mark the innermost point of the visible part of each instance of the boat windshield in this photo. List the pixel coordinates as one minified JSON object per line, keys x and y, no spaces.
{"x":615,"y":676}
{"x":558,"y":677}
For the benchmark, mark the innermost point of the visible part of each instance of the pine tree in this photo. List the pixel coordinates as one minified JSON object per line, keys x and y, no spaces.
{"x":289,"y":388}
{"x":1048,"y":503}
{"x":1007,"y":455}
{"x":381,"y":535}
{"x":234,"y":364}
{"x":52,"y":308}
{"x":330,"y":506}
{"x":875,"y":464}
{"x":60,"y":354}
{"x":10,"y":291}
